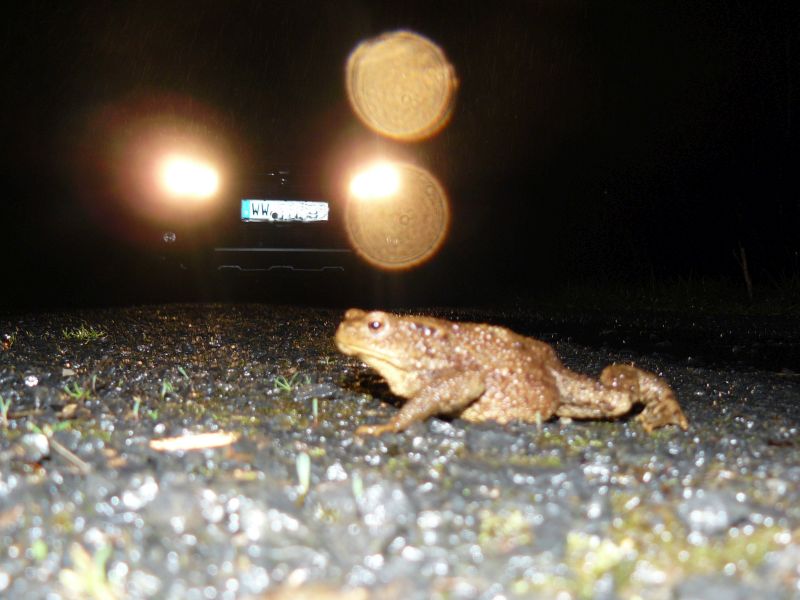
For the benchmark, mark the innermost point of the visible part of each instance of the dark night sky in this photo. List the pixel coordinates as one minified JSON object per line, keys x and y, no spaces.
{"x":621,"y":139}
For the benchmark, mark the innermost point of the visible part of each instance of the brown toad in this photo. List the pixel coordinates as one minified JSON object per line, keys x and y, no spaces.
{"x":488,"y":373}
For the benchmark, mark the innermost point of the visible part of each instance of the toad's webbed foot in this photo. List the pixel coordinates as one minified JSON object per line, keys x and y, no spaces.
{"x":661,"y":407}
{"x":663,"y":413}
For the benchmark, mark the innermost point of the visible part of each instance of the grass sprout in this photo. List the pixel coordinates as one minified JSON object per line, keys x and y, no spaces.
{"x":4,"y":406}
{"x":137,"y":409}
{"x":166,"y":388}
{"x":77,"y":392}
{"x":137,"y":403}
{"x":83,"y":334}
{"x":286,"y":385}
{"x":48,"y":430}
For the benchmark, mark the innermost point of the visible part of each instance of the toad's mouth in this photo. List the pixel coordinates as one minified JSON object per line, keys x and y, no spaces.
{"x":368,"y":355}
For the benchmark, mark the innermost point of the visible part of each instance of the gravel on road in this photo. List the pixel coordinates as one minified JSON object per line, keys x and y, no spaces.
{"x":207,"y":451}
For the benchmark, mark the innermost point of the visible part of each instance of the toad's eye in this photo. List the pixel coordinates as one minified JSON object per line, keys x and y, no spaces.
{"x":375,"y":325}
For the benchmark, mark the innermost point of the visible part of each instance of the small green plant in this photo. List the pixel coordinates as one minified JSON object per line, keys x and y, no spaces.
{"x":76,"y":392}
{"x":137,"y":403}
{"x":315,"y":410}
{"x":47,"y":429}
{"x":183,"y":373}
{"x":137,"y":410}
{"x":87,"y":578}
{"x":4,"y":406}
{"x":83,"y":334}
{"x":166,"y":388}
{"x":286,"y":385}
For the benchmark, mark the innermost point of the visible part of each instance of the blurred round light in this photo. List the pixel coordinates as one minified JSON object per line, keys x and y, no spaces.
{"x":404,"y":229}
{"x":186,"y":177}
{"x":378,"y":181}
{"x":401,"y":85}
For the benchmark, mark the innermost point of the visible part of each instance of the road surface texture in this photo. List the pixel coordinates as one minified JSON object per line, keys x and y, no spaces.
{"x":101,"y":495}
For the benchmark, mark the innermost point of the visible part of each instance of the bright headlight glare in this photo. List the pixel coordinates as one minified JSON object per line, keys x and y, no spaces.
{"x":189,"y":178}
{"x":378,"y":181}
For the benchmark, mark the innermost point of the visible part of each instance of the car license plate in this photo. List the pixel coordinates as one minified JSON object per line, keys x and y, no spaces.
{"x":305,"y":211}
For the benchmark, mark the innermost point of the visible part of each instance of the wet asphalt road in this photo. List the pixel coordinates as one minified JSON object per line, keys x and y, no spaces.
{"x":94,"y":503}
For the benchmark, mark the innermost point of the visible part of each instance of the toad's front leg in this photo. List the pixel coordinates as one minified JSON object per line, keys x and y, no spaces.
{"x":450,"y":395}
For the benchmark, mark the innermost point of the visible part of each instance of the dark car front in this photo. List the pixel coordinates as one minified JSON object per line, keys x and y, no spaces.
{"x":276,"y":220}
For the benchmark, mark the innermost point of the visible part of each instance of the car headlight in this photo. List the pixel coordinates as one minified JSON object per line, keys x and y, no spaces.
{"x":380,"y":180}
{"x":185,"y":177}
{"x":397,"y":215}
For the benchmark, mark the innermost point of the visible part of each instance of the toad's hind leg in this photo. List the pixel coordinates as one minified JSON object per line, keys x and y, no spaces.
{"x":619,"y":388}
{"x":661,"y":408}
